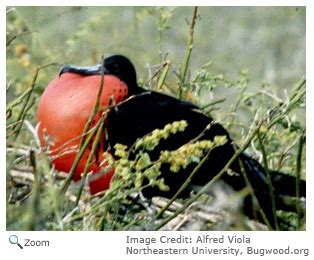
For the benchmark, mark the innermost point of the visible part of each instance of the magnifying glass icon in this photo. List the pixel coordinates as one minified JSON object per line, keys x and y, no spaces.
{"x":13,"y":239}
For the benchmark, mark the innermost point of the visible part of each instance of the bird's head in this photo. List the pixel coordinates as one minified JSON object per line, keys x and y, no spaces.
{"x":116,"y":65}
{"x":122,"y":68}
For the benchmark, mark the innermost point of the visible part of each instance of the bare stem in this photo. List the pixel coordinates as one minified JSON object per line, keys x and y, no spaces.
{"x":184,"y":185}
{"x":90,"y":157}
{"x":269,"y":181}
{"x":34,"y":208}
{"x":85,"y":141}
{"x":298,"y":177}
{"x":188,"y":52}
{"x":24,"y":110}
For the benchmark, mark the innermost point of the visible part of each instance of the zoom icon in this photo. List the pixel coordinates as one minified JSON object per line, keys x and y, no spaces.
{"x":14,"y":240}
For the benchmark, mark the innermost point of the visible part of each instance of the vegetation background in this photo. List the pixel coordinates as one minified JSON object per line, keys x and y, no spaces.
{"x":245,"y":61}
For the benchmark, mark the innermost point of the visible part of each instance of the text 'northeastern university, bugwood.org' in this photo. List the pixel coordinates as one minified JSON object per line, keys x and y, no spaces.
{"x":204,"y":245}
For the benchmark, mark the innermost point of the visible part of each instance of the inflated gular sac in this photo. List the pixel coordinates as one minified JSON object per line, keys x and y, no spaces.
{"x":63,"y":111}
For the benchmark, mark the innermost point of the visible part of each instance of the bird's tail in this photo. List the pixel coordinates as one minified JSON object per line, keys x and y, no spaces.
{"x":277,"y":195}
{"x":287,"y":185}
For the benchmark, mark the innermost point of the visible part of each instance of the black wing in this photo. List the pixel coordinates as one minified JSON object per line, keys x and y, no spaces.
{"x":143,"y":113}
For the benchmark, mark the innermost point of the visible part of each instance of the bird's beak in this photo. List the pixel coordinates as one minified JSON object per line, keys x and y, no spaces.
{"x":86,"y":71}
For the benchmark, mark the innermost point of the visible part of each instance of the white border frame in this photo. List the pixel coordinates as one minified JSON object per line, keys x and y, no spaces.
{"x":102,"y":245}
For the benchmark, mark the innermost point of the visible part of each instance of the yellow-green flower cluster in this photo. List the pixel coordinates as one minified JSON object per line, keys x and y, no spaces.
{"x":120,"y":151}
{"x":132,"y":173}
{"x":151,"y":174}
{"x":150,"y":141}
{"x":123,"y":169}
{"x":142,"y":162}
{"x":140,"y":172}
{"x":191,"y":152}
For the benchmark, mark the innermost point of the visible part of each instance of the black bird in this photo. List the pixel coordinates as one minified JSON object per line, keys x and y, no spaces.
{"x":145,"y":111}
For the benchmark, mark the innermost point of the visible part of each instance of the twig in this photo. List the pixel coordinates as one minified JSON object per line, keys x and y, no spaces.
{"x":164,"y":73}
{"x":90,"y":157}
{"x":33,"y":131}
{"x":184,"y":185}
{"x":85,"y":141}
{"x":298,"y":177}
{"x":158,"y":71}
{"x":188,"y":52}
{"x":97,"y":103}
{"x":34,"y":208}
{"x":78,"y":159}
{"x":24,"y":110}
{"x":19,"y":99}
{"x":16,"y":36}
{"x":255,"y":200}
{"x":269,"y":181}
{"x":212,"y":103}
